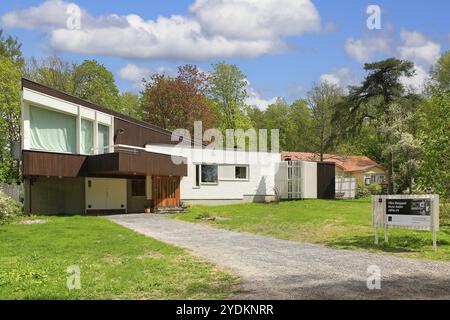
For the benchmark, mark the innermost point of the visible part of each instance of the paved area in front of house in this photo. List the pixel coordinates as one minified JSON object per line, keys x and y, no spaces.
{"x":278,"y":269}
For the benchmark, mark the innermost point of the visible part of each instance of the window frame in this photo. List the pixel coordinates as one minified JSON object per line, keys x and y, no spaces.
{"x":197,"y":175}
{"x":246,"y":172}
{"x":61,"y":112}
{"x":133,"y":193}
{"x":103,"y":149}
{"x":201,"y":173}
{"x":92,"y":122}
{"x":380,"y":178}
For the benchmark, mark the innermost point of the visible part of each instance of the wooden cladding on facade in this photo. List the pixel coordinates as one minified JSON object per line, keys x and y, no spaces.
{"x":128,"y":131}
{"x":138,"y":135}
{"x":326,"y":180}
{"x":140,"y":163}
{"x":50,"y":164}
{"x":118,"y":163}
{"x":166,"y":191}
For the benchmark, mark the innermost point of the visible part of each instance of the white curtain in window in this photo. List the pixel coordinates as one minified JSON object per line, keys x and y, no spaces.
{"x":87,"y":136}
{"x":52,"y":131}
{"x":103,"y":138}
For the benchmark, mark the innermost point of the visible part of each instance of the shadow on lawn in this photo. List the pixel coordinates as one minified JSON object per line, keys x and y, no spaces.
{"x":397,"y":243}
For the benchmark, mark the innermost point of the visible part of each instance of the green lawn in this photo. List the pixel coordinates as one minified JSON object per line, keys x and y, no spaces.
{"x":339,"y":223}
{"x":115,"y":263}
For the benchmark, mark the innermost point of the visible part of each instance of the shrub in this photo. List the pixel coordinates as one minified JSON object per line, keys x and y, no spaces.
{"x":374,"y":188}
{"x":444,"y":214}
{"x":8,"y":208}
{"x":362,"y":191}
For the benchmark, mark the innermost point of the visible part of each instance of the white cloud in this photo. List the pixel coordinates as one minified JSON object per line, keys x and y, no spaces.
{"x":331,"y":27}
{"x":341,"y":77}
{"x":51,"y":14}
{"x":135,"y":74}
{"x":257,"y":28}
{"x":256,"y":19}
{"x":174,"y":38}
{"x":365,"y":50}
{"x":255,"y":100}
{"x":417,"y":82}
{"x":418,"y":48}
{"x":295,"y":91}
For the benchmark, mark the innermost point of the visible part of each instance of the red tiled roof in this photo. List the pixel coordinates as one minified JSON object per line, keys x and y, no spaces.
{"x":347,"y":163}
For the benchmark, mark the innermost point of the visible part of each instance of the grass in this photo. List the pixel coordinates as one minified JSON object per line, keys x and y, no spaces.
{"x":115,"y":263}
{"x":341,"y":223}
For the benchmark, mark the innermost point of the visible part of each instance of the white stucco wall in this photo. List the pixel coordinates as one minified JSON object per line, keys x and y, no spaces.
{"x":261,"y":173}
{"x":309,"y":180}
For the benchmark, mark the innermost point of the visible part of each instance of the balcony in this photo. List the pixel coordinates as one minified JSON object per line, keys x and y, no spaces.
{"x":124,"y":161}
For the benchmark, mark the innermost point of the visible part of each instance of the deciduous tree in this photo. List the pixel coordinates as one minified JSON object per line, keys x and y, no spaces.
{"x":95,"y":83}
{"x":10,"y":75}
{"x":228,"y":90}
{"x":434,"y":171}
{"x":440,"y":72}
{"x":130,"y":105}
{"x":89,"y":80}
{"x":322,"y":99}
{"x":176,"y":102}
{"x":11,"y":48}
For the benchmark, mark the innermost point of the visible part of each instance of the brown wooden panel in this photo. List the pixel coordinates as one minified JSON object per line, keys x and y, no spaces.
{"x":103,"y":163}
{"x":140,"y":163}
{"x":326,"y":180}
{"x":36,"y":163}
{"x":151,"y":164}
{"x":166,"y":191}
{"x":138,"y":135}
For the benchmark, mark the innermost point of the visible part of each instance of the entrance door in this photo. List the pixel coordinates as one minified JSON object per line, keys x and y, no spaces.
{"x":166,"y":191}
{"x":325,"y":180}
{"x":106,"y":194}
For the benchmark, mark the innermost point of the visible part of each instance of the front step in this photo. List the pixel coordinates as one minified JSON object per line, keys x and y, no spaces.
{"x":166,"y":210}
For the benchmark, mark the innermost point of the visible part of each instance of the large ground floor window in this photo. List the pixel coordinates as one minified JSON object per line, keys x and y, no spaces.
{"x":209,"y":173}
{"x":138,"y":188}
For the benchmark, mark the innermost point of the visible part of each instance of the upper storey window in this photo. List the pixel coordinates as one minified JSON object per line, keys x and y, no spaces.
{"x":52,"y":131}
{"x":103,"y":138}
{"x":87,"y":136}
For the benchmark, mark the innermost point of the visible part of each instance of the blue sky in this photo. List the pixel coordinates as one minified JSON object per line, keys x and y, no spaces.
{"x":282,"y":46}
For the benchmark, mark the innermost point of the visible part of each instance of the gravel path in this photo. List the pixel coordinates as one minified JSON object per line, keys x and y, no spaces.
{"x":278,"y":269}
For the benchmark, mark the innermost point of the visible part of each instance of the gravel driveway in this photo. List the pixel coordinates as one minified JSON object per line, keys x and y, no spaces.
{"x":279,"y":269}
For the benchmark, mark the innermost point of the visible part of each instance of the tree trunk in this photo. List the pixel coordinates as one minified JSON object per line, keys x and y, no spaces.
{"x":410,"y":180}
{"x":390,"y":173}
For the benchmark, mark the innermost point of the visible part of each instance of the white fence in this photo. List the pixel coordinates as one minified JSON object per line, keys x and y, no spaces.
{"x":345,"y":188}
{"x":288,"y":179}
{"x":11,"y":190}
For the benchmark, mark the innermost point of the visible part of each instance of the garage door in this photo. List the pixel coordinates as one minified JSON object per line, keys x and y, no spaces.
{"x":106,"y":194}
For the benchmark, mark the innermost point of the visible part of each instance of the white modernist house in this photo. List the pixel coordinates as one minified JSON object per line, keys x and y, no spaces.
{"x":78,"y":157}
{"x":221,"y":176}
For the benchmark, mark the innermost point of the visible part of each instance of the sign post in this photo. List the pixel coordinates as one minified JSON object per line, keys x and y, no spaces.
{"x":416,"y":212}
